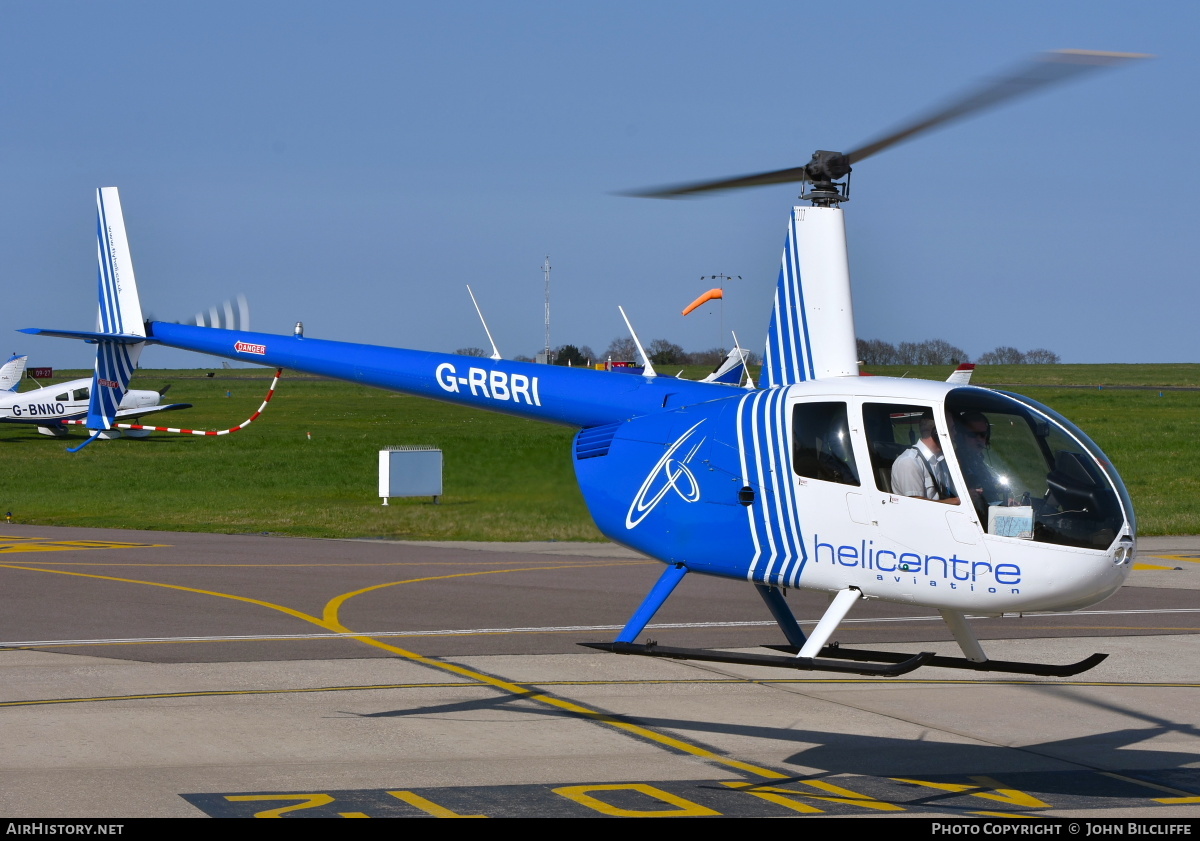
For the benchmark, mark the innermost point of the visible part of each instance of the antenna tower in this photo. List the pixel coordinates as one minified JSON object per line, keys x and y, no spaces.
{"x":722,"y":277}
{"x":546,"y":270}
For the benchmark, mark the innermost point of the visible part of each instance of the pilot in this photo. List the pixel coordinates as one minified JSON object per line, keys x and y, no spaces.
{"x":921,"y":470}
{"x":972,"y":438}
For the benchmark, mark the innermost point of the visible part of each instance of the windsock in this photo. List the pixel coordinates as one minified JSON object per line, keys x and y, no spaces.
{"x":710,"y":295}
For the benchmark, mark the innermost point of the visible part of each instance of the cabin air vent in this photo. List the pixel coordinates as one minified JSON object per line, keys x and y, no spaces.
{"x":594,"y":442}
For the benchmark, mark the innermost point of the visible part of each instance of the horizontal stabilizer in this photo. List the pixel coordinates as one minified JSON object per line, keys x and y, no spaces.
{"x":127,"y":414}
{"x":88,"y":335}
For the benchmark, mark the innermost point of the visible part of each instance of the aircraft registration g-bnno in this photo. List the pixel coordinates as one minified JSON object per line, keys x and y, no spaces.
{"x":963,"y":499}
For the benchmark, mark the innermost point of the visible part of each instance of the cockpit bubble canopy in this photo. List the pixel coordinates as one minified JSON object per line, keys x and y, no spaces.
{"x":1032,"y":474}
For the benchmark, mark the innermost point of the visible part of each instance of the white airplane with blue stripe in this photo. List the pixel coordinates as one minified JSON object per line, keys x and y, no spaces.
{"x":49,"y":408}
{"x":940,"y":495}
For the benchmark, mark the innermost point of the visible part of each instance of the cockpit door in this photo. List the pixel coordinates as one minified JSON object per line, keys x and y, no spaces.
{"x":937,"y":528}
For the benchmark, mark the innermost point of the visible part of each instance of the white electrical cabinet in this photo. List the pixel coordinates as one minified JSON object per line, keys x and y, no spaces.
{"x":410,"y":471}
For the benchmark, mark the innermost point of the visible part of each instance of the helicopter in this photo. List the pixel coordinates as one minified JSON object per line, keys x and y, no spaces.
{"x":800,"y":482}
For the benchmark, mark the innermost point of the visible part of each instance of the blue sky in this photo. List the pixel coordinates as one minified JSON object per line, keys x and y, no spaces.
{"x":354,"y":165}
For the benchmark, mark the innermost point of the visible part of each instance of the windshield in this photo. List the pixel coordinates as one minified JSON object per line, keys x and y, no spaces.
{"x":1031,"y":474}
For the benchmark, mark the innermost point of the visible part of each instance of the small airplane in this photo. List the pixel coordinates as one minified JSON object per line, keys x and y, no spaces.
{"x":801,"y":482}
{"x":51,"y":406}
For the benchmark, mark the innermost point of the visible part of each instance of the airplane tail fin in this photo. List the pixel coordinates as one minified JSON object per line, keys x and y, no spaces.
{"x":11,"y":372}
{"x":119,"y":321}
{"x":962,"y":374}
{"x":731,"y":371}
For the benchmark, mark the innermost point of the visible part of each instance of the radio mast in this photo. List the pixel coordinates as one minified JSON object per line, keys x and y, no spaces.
{"x":546,"y":269}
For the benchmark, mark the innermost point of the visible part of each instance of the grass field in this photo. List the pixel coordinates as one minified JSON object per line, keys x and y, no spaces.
{"x":505,"y":478}
{"x":1186,"y":375}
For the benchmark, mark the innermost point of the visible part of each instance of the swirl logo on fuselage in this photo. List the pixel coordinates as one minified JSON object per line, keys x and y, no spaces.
{"x":669,"y":474}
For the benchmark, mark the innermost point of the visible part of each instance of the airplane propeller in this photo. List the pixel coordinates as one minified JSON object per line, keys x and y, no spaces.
{"x":827,"y":167}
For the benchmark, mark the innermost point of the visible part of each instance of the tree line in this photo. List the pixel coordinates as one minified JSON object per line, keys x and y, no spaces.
{"x":623,"y":349}
{"x":941,"y":352}
{"x":870,"y":352}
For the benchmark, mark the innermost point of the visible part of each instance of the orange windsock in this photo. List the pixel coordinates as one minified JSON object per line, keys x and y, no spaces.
{"x":710,"y":295}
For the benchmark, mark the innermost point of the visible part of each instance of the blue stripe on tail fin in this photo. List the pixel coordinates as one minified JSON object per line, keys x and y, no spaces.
{"x":119,"y":314}
{"x":812,"y":325}
{"x":788,"y":357}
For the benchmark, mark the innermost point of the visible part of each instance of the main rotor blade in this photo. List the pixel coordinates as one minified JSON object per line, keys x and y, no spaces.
{"x":779,"y":176}
{"x":1044,"y":70}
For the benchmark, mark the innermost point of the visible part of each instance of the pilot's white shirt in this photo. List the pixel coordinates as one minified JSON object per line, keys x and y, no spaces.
{"x":910,"y":478}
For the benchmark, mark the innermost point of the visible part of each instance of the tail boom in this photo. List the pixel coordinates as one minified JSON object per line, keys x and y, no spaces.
{"x":571,"y":396}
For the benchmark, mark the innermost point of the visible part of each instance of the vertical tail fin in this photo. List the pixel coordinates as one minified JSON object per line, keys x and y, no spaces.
{"x":11,"y":373}
{"x":812,"y":326}
{"x":962,"y":374}
{"x":733,"y":369}
{"x":119,"y":314}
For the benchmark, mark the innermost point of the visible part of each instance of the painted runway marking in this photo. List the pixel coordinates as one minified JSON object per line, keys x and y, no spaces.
{"x":1019,"y":794}
{"x":1188,"y":559}
{"x":38,"y":544}
{"x":378,"y":634}
{"x":226,"y":693}
{"x":556,"y":629}
{"x":708,"y":680}
{"x":550,"y":564}
{"x":329,"y":621}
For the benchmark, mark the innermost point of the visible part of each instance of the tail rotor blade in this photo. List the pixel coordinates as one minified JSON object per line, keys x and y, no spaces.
{"x":225,"y":317}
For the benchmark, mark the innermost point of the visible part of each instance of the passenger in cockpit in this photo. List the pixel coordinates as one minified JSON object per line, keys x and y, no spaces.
{"x":921,"y":470}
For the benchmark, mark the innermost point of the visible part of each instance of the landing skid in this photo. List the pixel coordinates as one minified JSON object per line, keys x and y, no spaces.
{"x":813,"y":652}
{"x":1015,"y":667}
{"x":902,"y":664}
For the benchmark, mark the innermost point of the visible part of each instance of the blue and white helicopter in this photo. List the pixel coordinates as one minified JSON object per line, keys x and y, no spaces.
{"x":793,"y":484}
